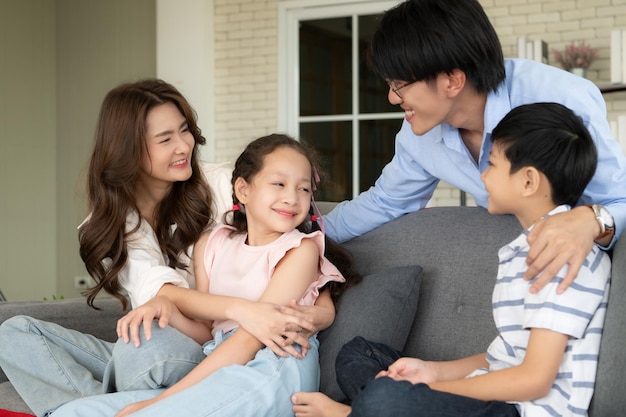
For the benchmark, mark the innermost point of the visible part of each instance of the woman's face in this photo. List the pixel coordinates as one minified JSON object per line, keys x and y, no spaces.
{"x":169,"y":146}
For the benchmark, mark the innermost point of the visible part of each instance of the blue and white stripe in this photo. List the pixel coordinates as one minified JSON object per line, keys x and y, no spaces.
{"x":578,"y":312}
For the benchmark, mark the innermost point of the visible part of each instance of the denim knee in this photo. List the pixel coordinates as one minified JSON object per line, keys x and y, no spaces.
{"x":18,"y":324}
{"x":13,"y":329}
{"x":9,"y":330}
{"x":159,"y":362}
{"x":355,"y":349}
{"x":359,"y":349}
{"x":383,"y":397}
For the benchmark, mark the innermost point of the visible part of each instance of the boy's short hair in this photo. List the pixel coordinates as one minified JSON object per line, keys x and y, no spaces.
{"x":551,"y":138}
{"x":420,"y":39}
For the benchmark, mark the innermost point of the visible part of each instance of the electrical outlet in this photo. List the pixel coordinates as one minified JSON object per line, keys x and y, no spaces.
{"x":83,"y":282}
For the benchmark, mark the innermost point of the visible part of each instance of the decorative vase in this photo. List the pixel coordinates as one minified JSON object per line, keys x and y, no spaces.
{"x":581,"y":72}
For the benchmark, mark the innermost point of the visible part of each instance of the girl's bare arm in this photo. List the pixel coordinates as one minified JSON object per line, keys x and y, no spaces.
{"x":292,"y":276}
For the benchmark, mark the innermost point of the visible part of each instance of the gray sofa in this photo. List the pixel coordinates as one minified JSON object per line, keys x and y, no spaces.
{"x":440,"y":309}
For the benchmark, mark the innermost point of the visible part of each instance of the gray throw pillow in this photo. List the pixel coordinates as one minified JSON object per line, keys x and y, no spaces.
{"x":381,"y":308}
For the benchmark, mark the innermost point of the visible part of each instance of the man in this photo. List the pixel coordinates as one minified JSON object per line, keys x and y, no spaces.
{"x":445,"y":69}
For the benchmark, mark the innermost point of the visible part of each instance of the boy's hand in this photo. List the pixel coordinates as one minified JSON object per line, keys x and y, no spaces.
{"x":564,"y":238}
{"x":412,"y":370}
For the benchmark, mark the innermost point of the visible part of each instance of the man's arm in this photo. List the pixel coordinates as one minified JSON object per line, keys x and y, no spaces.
{"x":402,"y":187}
{"x":564,"y":238}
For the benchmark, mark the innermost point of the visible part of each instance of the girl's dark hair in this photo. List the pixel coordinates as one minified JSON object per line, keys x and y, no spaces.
{"x":120,"y":142}
{"x":551,"y":138}
{"x":250,"y":163}
{"x":420,"y":39}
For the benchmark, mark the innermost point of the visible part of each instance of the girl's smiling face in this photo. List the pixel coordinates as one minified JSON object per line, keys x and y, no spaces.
{"x":278,"y":198}
{"x":169,"y":146}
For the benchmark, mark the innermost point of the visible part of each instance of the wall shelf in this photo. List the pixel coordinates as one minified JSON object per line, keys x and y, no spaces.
{"x":611,"y":88}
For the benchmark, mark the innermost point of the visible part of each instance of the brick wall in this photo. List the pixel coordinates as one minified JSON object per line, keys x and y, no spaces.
{"x":246,"y":73}
{"x":246,"y":38}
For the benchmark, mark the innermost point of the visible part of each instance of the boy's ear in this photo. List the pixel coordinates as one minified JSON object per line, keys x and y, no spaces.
{"x":456,"y":82}
{"x":531,"y":178}
{"x":241,"y":190}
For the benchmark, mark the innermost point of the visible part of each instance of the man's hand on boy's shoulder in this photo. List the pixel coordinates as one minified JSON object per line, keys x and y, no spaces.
{"x":564,"y":238}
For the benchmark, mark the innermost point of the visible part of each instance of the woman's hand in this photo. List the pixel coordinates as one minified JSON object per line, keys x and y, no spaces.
{"x":296,"y":334}
{"x":321,"y":315}
{"x":279,"y":327}
{"x":564,"y":238}
{"x":159,"y":307}
{"x":276,"y":327}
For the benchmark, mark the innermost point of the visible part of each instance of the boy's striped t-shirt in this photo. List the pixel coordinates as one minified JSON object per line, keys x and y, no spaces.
{"x":578,"y":312}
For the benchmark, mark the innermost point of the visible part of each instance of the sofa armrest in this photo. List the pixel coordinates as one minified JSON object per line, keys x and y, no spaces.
{"x":608,"y":398}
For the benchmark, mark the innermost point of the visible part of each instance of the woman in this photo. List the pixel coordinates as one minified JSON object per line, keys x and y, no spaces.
{"x":149,"y":203}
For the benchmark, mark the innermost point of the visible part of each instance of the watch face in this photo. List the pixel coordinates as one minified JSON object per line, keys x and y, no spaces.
{"x":605,"y":216}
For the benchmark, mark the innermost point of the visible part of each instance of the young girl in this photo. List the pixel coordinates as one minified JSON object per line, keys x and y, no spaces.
{"x":149,"y":203}
{"x":272,"y":250}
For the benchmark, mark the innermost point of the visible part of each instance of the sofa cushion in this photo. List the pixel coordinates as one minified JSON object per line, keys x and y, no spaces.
{"x":607,"y":399}
{"x":457,"y":247}
{"x":71,"y":313}
{"x":359,"y":313}
{"x":11,"y":400}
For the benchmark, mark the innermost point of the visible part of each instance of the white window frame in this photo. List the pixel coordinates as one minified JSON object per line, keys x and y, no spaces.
{"x":290,"y":13}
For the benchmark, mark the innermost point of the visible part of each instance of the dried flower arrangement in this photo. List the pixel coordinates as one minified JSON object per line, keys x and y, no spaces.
{"x":576,"y":55}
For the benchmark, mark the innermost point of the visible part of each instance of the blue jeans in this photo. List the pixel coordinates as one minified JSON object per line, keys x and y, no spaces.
{"x":49,"y":365}
{"x":261,"y":388}
{"x":360,"y":360}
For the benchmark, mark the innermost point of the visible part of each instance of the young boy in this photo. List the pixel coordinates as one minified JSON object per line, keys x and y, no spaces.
{"x":544,"y":360}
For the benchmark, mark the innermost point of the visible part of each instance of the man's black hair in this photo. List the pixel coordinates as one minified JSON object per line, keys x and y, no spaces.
{"x":420,"y":39}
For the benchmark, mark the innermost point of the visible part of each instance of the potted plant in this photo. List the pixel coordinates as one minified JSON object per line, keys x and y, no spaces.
{"x":576,"y":57}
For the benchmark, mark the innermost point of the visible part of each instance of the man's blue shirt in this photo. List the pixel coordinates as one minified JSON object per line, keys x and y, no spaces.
{"x":407,"y":183}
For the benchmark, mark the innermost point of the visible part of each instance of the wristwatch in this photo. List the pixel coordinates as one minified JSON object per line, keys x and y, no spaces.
{"x":605,"y":220}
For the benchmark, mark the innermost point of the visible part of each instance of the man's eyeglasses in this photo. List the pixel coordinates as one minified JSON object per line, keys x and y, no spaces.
{"x":397,"y":88}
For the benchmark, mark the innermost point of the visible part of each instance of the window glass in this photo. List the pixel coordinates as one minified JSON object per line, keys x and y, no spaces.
{"x":325,"y":67}
{"x":344,"y":113}
{"x":332,"y":142}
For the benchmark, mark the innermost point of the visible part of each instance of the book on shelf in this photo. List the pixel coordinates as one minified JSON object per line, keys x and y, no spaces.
{"x":617,"y":56}
{"x":536,"y":49}
{"x":618,"y":128}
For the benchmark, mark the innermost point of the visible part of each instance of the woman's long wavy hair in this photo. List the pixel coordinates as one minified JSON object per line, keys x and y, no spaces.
{"x":250,"y":163}
{"x":120,"y":143}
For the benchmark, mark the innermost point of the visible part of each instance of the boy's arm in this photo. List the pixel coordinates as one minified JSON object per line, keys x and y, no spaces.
{"x":530,"y":380}
{"x":418,"y":371}
{"x":460,"y":368}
